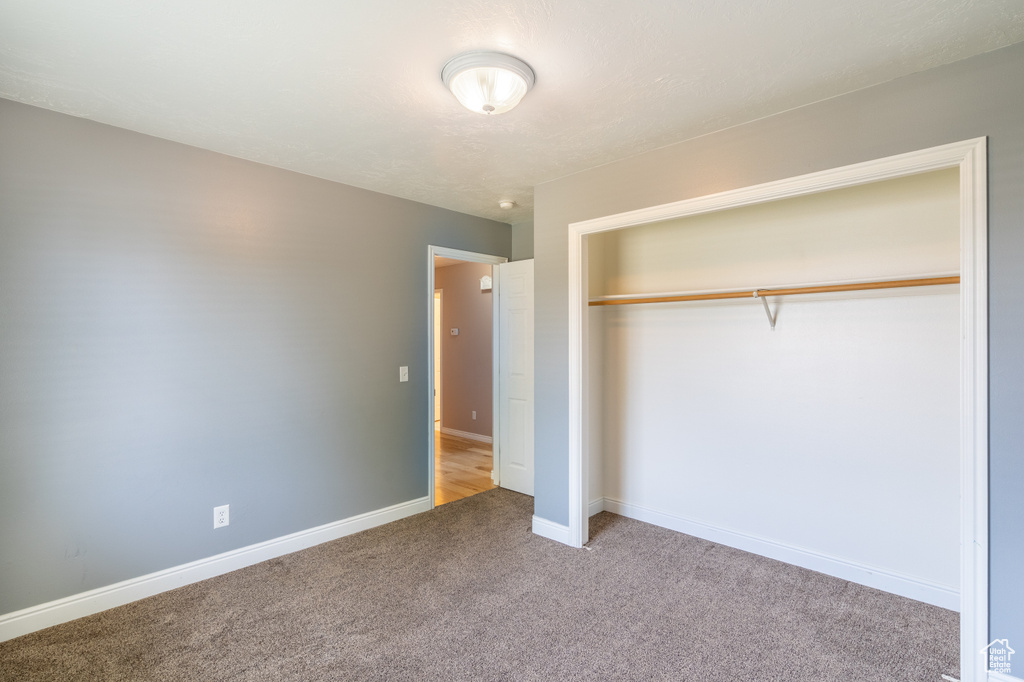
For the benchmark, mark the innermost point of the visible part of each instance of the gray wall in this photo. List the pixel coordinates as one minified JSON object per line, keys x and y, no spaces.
{"x":181,"y":329}
{"x":466,"y":380}
{"x":976,"y":97}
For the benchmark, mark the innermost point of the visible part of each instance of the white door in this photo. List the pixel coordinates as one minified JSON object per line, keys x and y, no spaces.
{"x":515,"y":386}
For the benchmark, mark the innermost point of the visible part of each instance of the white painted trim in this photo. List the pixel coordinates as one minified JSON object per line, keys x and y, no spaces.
{"x":551,"y":530}
{"x":18,"y":623}
{"x":872,"y":576}
{"x":472,"y":257}
{"x":438,"y":391}
{"x":1000,"y":677}
{"x":579,"y":517}
{"x":901,"y":165}
{"x":467,"y":435}
{"x":597,"y":506}
{"x":974,"y":610}
{"x":970,"y":157}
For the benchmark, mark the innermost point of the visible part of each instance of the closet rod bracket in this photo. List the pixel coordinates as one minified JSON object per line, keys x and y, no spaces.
{"x":767,"y":310}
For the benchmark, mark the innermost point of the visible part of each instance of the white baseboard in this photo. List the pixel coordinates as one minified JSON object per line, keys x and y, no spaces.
{"x":597,"y":506}
{"x":551,"y":530}
{"x":1000,"y":677}
{"x":34,"y":618}
{"x":889,"y":581}
{"x":467,"y":435}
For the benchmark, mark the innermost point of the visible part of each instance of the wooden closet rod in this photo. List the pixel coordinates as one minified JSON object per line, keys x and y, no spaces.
{"x":856,"y":286}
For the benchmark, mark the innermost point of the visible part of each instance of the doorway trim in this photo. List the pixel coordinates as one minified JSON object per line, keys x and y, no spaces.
{"x":436,"y":372}
{"x":970,"y":157}
{"x":472,"y":257}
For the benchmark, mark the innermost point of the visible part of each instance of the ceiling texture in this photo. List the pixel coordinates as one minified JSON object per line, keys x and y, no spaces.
{"x":350,"y":90}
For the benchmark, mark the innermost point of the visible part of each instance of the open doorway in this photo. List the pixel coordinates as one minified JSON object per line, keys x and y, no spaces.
{"x":464,"y":378}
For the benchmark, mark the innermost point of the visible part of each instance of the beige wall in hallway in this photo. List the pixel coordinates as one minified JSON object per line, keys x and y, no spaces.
{"x":466,"y":358}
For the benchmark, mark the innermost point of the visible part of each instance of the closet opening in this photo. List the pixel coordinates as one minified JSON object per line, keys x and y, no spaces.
{"x":841,"y":429}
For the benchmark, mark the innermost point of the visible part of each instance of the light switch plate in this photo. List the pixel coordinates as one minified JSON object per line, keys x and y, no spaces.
{"x":403,"y":373}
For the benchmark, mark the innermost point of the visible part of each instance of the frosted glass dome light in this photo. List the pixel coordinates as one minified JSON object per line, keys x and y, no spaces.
{"x":487,"y":82}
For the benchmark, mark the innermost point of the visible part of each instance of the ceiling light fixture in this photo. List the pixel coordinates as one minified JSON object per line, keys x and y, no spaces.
{"x":487,"y":82}
{"x":506,"y":204}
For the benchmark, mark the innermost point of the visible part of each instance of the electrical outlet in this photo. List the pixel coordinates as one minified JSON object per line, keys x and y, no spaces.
{"x":220,"y":516}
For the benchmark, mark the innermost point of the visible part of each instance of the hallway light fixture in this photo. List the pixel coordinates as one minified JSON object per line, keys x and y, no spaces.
{"x":487,"y":82}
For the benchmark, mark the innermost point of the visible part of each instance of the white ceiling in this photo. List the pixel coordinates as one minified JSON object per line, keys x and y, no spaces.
{"x":350,"y":90}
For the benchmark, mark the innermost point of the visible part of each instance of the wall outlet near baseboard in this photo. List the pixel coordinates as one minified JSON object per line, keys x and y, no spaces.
{"x":220,"y":516}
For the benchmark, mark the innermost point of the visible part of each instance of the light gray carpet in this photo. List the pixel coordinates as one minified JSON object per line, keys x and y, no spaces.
{"x":466,"y":592}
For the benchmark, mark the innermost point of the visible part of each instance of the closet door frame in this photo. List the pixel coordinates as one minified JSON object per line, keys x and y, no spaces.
{"x":970,"y":157}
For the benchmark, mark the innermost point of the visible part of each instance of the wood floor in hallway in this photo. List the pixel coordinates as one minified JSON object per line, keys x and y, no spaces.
{"x":462,"y":468}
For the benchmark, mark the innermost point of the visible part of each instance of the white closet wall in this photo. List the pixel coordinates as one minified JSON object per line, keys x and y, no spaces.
{"x":831,"y":442}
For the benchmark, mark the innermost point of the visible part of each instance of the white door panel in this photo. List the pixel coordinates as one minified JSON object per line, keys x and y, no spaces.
{"x":515,"y":392}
